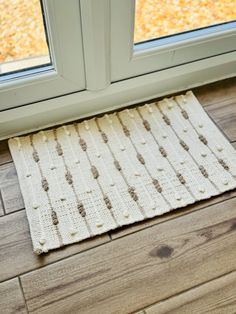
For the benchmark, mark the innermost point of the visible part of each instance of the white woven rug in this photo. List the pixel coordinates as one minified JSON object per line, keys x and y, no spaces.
{"x":84,"y":179}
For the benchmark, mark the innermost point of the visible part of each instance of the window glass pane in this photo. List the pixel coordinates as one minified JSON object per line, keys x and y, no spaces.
{"x":158,"y":18}
{"x":23,"y":42}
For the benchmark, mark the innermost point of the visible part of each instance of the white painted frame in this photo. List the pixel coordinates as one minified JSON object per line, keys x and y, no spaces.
{"x":102,"y":95}
{"x":86,"y":103}
{"x":67,"y":74}
{"x":128,"y":61}
{"x":96,"y":42}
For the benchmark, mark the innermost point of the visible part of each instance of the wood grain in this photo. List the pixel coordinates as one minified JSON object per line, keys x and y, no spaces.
{"x":5,"y":155}
{"x":10,"y":189}
{"x":215,"y":297}
{"x":11,"y":298}
{"x":216,"y":92}
{"x":145,"y":267}
{"x":16,"y":254}
{"x":224,"y":115}
{"x":120,"y":232}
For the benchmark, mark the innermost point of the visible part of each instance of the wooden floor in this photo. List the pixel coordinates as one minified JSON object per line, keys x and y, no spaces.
{"x":181,"y":262}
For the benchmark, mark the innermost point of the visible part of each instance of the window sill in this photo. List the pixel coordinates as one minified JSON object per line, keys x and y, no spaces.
{"x":86,"y":103}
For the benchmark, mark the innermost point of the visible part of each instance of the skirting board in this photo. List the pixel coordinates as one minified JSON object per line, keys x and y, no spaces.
{"x":71,"y":107}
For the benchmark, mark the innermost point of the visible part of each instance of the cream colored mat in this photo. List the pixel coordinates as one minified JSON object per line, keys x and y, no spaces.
{"x":84,"y":179}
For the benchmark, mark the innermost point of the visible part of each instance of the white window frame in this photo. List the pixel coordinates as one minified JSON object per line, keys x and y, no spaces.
{"x":96,"y":42}
{"x":63,"y":25}
{"x":128,"y":61}
{"x":102,"y":93}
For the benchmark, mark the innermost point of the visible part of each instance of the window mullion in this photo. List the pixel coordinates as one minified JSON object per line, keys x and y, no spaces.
{"x":95,"y":17}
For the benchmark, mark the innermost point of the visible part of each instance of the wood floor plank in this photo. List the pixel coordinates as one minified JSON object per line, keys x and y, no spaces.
{"x":11,"y":298}
{"x":10,"y":189}
{"x":224,"y":115}
{"x":216,"y":92}
{"x":5,"y":155}
{"x":16,"y":254}
{"x":137,"y":270}
{"x":215,"y":297}
{"x":125,"y":230}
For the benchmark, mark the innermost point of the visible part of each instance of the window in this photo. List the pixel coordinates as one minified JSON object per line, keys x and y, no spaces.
{"x":155,"y":19}
{"x":23,"y":37}
{"x":141,"y":52}
{"x":53,"y":68}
